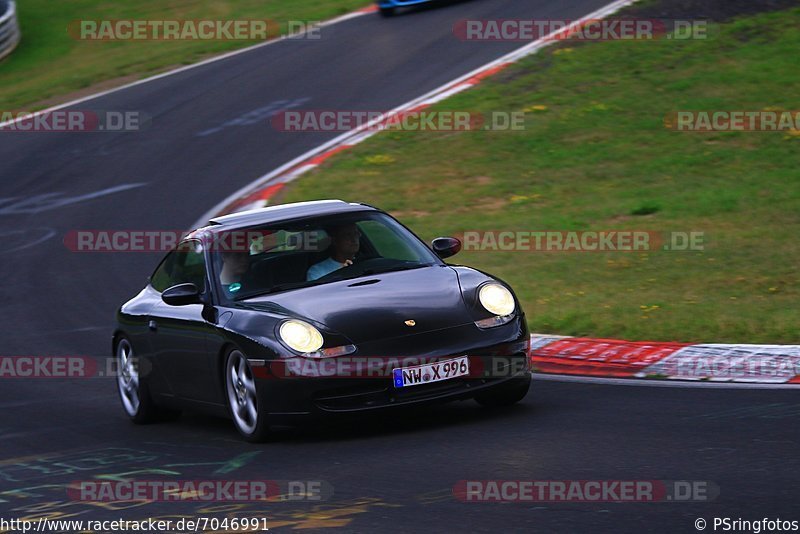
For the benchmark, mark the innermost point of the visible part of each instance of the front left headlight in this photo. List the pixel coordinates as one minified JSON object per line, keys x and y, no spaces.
{"x":497,"y":299}
{"x":301,"y":336}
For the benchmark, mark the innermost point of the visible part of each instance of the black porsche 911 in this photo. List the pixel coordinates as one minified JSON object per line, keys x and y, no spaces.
{"x":316,"y":308}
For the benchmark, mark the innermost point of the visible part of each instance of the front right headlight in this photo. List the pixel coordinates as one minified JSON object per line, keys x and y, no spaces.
{"x":497,"y":299}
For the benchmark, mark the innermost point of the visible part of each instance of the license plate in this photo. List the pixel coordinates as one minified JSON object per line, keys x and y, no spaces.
{"x":430,"y":372}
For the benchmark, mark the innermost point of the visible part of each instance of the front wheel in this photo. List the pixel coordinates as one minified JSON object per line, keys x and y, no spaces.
{"x":243,"y":401}
{"x":507,"y":396}
{"x":386,"y":11}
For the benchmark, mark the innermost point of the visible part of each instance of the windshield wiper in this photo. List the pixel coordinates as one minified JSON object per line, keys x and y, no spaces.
{"x":275,"y":289}
{"x":393,"y":269}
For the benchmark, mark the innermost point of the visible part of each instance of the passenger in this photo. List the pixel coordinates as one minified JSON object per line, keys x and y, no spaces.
{"x":235,"y":264}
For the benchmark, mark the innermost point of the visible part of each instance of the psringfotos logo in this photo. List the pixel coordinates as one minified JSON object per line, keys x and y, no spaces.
{"x":764,"y":524}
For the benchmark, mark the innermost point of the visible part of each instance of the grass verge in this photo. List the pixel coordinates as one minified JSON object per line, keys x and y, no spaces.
{"x":595,"y":155}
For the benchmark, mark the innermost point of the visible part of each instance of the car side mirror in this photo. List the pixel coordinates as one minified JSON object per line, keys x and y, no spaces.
{"x":181,"y":295}
{"x":444,"y":247}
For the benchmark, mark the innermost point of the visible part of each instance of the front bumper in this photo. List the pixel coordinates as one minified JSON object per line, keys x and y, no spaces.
{"x":303,"y":388}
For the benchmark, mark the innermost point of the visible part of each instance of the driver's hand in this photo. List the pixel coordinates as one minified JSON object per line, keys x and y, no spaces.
{"x":348,"y":263}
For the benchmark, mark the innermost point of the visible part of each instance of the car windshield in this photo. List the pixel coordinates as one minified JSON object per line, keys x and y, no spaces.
{"x":261,"y":260}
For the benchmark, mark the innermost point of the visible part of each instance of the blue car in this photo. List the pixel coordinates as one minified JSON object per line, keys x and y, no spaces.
{"x":387,"y":7}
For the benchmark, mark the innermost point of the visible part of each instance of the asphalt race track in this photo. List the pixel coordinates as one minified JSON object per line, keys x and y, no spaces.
{"x":395,"y":471}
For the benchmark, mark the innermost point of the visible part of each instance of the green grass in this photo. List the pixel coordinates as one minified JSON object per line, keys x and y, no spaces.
{"x":49,"y":63}
{"x":595,"y":155}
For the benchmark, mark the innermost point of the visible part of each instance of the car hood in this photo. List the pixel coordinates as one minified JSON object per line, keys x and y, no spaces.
{"x":378,"y":306}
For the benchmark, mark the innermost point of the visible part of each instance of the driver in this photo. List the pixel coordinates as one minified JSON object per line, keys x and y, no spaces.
{"x":345,"y":242}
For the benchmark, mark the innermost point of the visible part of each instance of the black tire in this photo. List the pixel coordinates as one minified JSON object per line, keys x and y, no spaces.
{"x":387,"y":11}
{"x":132,"y":388}
{"x":245,"y":406}
{"x":504,"y":397}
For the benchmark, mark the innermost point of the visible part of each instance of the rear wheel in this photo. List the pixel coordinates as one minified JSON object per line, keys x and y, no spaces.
{"x":387,"y":11}
{"x":243,"y":401}
{"x":506,"y":396}
{"x":132,"y":388}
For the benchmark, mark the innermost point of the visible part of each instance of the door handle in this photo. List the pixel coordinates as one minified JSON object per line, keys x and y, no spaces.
{"x":152,"y":325}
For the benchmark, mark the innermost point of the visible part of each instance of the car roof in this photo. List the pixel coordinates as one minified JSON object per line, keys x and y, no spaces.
{"x":285,"y":212}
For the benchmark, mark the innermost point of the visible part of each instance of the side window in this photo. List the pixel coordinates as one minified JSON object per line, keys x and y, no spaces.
{"x":185,"y":264}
